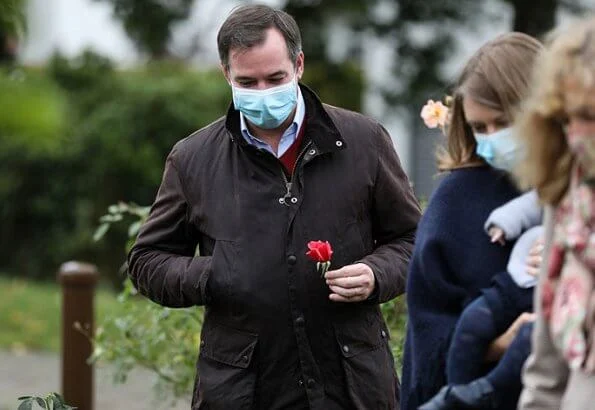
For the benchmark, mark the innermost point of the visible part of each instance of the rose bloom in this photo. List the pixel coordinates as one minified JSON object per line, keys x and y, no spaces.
{"x":434,"y":114}
{"x":319,"y":251}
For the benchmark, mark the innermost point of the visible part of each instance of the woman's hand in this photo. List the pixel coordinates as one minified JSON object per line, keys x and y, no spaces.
{"x":535,"y":257}
{"x":500,"y":344}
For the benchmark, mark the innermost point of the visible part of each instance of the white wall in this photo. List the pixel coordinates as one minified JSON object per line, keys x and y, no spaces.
{"x":71,"y":26}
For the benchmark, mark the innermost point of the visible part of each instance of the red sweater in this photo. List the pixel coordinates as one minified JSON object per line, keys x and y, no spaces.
{"x":289,"y":157}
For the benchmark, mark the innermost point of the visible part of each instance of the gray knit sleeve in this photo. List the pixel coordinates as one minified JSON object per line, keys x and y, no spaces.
{"x":517,"y":215}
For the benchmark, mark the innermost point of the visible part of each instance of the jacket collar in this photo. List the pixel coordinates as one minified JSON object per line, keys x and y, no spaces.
{"x":320,"y":128}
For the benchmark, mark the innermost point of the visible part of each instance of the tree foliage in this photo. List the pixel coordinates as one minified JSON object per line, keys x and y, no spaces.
{"x":423,"y":34}
{"x":12,"y":17}
{"x":149,"y":22}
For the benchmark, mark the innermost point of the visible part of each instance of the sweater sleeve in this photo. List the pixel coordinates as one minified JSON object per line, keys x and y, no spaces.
{"x":432,"y":318}
{"x":162,"y":263}
{"x":434,"y":301}
{"x":395,"y":215}
{"x":516,"y":216}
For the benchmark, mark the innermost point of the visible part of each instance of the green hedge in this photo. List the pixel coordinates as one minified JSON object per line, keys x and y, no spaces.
{"x":78,"y":135}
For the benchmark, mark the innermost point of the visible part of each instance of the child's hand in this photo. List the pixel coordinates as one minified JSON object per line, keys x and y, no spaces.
{"x":497,"y":235}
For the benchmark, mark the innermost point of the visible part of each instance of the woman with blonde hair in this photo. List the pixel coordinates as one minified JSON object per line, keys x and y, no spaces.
{"x":453,"y":258}
{"x":558,"y":123}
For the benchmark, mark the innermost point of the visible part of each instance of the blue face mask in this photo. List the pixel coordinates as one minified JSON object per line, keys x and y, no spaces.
{"x":500,"y":149}
{"x":266,"y":108}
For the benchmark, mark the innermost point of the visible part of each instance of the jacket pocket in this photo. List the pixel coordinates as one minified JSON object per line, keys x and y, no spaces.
{"x":368,"y":364}
{"x":226,"y":376}
{"x":223,"y":260}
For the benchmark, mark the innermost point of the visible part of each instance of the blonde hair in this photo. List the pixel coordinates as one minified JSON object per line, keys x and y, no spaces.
{"x":569,"y":55}
{"x":496,"y":76}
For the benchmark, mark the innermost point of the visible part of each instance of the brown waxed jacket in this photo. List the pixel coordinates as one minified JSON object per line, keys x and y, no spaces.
{"x":271,"y":338}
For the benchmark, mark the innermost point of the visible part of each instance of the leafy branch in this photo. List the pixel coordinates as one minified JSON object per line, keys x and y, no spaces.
{"x":52,"y":401}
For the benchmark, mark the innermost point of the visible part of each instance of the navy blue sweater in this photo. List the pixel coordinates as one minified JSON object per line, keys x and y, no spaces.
{"x":452,"y":260}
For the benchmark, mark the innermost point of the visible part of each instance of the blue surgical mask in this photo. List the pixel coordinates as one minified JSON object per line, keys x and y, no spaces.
{"x":500,"y":149}
{"x":266,"y":108}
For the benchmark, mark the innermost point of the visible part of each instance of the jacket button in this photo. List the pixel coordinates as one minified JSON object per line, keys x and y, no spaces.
{"x":346,"y":348}
{"x":291,"y":259}
{"x":339,"y":144}
{"x":245,"y":358}
{"x":202,"y":343}
{"x":311,"y":383}
{"x":312,"y":152}
{"x":294,"y":200}
{"x":383,"y":333}
{"x":299,"y":321}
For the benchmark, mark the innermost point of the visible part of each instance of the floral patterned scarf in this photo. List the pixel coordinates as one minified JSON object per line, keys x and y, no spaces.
{"x":568,"y":294}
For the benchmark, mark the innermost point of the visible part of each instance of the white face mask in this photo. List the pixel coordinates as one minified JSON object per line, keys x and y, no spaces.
{"x":500,"y":149}
{"x":266,"y":108}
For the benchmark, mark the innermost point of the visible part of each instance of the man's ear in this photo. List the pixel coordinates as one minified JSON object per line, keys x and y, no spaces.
{"x":226,"y":74}
{"x":299,"y":65}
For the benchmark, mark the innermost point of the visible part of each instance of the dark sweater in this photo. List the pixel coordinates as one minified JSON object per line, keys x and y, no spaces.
{"x":452,"y":260}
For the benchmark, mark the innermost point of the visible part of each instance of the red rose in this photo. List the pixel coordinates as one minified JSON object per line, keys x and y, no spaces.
{"x":319,"y":251}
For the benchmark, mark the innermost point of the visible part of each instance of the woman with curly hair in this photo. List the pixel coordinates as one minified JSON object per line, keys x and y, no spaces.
{"x":558,"y":124}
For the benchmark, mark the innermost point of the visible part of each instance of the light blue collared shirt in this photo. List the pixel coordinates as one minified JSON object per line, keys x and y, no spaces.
{"x":288,"y":137}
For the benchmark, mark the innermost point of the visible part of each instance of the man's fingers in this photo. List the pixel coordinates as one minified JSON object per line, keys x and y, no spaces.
{"x":342,"y":273}
{"x":338,"y":298}
{"x":350,"y":281}
{"x":347,"y":292}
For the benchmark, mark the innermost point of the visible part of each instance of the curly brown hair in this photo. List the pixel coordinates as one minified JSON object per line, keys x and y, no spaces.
{"x":497,"y":76}
{"x":569,"y":59}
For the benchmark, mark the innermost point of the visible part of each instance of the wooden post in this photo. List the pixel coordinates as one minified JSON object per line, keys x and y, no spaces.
{"x":78,"y":281}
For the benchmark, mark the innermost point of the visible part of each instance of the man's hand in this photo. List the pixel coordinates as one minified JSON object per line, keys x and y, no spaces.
{"x":351,"y":283}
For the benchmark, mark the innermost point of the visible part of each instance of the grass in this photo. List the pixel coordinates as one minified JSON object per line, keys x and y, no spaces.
{"x":30,"y":314}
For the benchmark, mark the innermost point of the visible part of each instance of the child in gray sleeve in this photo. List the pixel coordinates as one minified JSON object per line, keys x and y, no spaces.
{"x":490,"y":315}
{"x":521,"y":215}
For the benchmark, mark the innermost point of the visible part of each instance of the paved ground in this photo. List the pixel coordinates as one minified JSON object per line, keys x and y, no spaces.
{"x":39,"y":374}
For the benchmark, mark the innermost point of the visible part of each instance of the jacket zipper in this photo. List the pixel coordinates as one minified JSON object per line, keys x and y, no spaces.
{"x":288,"y":182}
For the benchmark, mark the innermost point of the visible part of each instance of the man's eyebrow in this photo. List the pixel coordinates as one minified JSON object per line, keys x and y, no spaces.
{"x":275,"y":74}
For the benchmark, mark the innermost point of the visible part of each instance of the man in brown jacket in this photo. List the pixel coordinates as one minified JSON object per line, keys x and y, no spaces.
{"x":251,"y":190}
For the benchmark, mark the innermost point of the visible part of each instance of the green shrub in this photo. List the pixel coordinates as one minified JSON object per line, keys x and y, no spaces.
{"x":80,"y":136}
